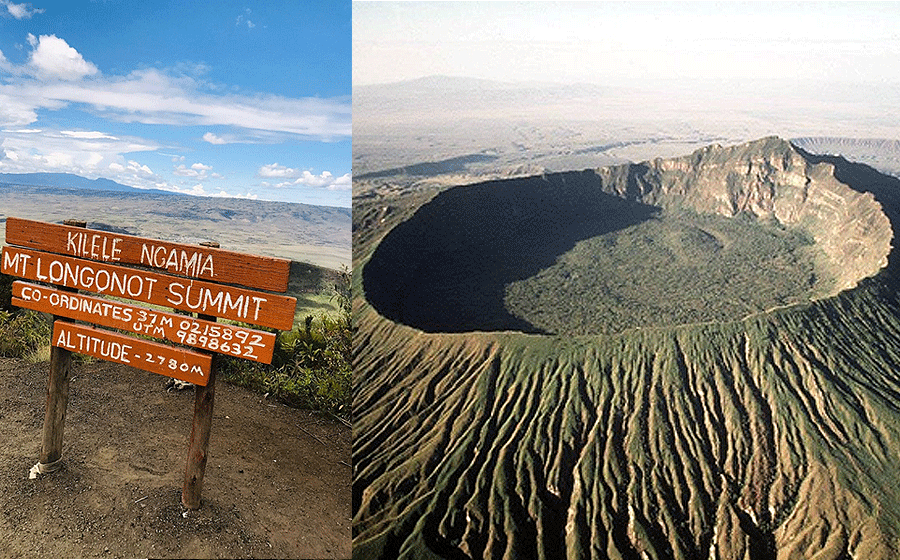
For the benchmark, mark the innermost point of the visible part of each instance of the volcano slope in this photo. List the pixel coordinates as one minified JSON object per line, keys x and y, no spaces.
{"x":485,"y":430}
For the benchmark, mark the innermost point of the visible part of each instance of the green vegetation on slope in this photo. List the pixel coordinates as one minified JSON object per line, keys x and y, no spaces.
{"x":763,"y":436}
{"x":724,"y":440}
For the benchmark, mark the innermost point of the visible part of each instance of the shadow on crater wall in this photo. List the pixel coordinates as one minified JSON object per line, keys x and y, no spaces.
{"x":445,"y":269}
{"x":865,"y":179}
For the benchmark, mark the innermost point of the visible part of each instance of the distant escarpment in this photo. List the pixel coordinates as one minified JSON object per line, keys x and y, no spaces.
{"x":490,"y":425}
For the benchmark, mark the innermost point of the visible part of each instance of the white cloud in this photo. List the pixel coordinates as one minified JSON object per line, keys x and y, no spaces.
{"x":52,"y":57}
{"x":87,"y":134}
{"x":152,"y":97}
{"x":56,"y":76}
{"x":5,"y":64}
{"x":92,"y":154}
{"x":20,"y":11}
{"x":138,"y":168}
{"x":94,"y":159}
{"x":197,"y":170}
{"x":324,"y":180}
{"x":307,"y":179}
{"x":53,"y":79}
{"x":246,"y":21}
{"x":342,"y":183}
{"x":275,"y":170}
{"x":213,"y":139}
{"x":16,"y":112}
{"x":223,"y":194}
{"x":58,"y":160}
{"x":199,"y":190}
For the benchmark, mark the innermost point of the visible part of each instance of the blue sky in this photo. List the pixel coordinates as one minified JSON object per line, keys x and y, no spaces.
{"x":218,"y":98}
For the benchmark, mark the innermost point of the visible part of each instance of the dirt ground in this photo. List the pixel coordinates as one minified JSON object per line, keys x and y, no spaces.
{"x":277,"y":481}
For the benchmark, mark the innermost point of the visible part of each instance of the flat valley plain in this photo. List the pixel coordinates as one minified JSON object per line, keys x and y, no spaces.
{"x":317,"y":235}
{"x":442,"y":130}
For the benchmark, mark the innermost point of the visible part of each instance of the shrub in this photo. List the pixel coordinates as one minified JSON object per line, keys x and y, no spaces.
{"x":311,"y":365}
{"x":23,"y":333}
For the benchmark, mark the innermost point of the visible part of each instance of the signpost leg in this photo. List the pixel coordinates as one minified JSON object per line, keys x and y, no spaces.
{"x":204,"y":397}
{"x":55,"y":415}
{"x":57,"y":402}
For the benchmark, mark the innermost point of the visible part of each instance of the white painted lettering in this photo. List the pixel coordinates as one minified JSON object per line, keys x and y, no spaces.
{"x":71,"y":244}
{"x":63,"y":339}
{"x":172,"y":261}
{"x":259,"y":301}
{"x":208,"y":267}
{"x":114,"y":253}
{"x":37,"y":270}
{"x":188,"y":266}
{"x":175,"y":296}
{"x":146,"y":255}
{"x":11,"y":261}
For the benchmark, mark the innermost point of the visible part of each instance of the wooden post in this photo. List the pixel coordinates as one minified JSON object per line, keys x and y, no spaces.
{"x":57,"y":401}
{"x":204,"y":398}
{"x":201,"y":426}
{"x":55,"y":415}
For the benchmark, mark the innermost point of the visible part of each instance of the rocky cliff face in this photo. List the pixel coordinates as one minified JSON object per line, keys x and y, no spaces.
{"x":768,"y":179}
{"x":773,"y":435}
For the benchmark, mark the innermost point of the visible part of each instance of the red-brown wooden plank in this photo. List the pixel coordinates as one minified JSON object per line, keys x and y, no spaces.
{"x":237,"y":304}
{"x":225,"y":339}
{"x":169,"y":361}
{"x":217,"y":265}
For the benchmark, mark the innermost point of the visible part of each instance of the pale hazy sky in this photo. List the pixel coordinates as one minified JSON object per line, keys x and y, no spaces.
{"x":614,"y":42}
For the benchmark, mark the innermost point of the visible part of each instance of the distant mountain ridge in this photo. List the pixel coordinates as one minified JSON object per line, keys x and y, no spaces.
{"x":70,"y":181}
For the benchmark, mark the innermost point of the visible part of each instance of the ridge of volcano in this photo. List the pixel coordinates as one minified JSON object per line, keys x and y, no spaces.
{"x":763,"y":434}
{"x":713,"y":236}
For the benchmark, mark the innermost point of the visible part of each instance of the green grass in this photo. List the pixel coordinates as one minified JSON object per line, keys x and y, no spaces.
{"x":322,"y":303}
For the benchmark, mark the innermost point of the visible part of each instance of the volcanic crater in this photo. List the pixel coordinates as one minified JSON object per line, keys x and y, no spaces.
{"x":758,"y":418}
{"x":715,"y":236}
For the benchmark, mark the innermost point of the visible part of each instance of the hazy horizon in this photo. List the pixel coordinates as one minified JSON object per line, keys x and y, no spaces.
{"x":556,"y":77}
{"x":621,"y":43}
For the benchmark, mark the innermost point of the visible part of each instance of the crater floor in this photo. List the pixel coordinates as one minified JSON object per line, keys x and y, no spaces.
{"x":677,"y":267}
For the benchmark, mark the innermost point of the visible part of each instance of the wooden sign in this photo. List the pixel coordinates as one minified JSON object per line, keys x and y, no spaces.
{"x":217,"y":265}
{"x":238,"y":304}
{"x":170,"y":361}
{"x":216,"y":337}
{"x":80,"y":259}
